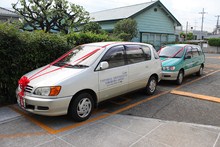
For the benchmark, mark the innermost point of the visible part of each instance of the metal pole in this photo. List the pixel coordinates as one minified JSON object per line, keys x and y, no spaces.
{"x":203,"y":12}
{"x":186,"y":29}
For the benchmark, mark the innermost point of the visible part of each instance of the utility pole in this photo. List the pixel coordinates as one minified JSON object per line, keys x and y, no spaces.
{"x":186,"y":29}
{"x":217,"y":25}
{"x":203,"y":12}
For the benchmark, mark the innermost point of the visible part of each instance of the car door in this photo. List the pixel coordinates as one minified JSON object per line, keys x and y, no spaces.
{"x":196,"y":59}
{"x":139,"y":66}
{"x":188,"y":61}
{"x":113,"y":80}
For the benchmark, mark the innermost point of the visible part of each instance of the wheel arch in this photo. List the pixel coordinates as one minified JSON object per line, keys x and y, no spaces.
{"x":90,"y":91}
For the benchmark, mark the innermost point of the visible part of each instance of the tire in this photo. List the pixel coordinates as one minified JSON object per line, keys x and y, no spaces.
{"x":180,"y":77}
{"x":200,"y":72}
{"x":81,"y":107}
{"x":151,"y":85}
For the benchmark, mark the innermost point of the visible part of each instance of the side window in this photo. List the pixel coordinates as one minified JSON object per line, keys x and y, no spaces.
{"x":200,"y":50}
{"x":147,"y":52}
{"x":115,"y":57}
{"x":195,"y":52}
{"x":135,"y":54}
{"x":188,"y":51}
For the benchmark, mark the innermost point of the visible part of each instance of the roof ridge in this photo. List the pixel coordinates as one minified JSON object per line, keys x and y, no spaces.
{"x":125,"y":6}
{"x":7,"y":10}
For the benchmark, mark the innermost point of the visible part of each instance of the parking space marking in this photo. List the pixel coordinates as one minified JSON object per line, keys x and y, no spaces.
{"x":197,"y":96}
{"x":213,"y":57}
{"x":22,"y":135}
{"x":53,"y":131}
{"x":98,"y":111}
{"x":202,"y":77}
{"x":43,"y":126}
{"x":125,"y":100}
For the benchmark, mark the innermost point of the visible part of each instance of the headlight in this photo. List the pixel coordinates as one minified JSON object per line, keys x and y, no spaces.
{"x":48,"y":91}
{"x":169,"y":68}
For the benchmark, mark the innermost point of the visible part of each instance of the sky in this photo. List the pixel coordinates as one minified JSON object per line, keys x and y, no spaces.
{"x":184,"y":10}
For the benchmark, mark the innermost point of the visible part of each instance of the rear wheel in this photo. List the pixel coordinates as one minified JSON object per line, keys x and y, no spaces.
{"x":180,"y":76}
{"x":200,"y":72}
{"x":151,"y":85}
{"x":81,"y":107}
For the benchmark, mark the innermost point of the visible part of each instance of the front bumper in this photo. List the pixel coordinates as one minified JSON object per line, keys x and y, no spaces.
{"x":45,"y":106}
{"x":168,"y":75}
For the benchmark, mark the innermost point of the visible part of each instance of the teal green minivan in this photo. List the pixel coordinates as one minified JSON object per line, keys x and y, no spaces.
{"x":180,"y":60}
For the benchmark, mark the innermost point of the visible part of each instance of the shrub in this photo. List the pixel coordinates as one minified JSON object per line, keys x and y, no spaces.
{"x":21,"y":52}
{"x":88,"y":37}
{"x":214,"y":42}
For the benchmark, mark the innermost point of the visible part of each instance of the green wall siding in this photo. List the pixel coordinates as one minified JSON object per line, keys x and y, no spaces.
{"x":156,"y":22}
{"x":107,"y":25}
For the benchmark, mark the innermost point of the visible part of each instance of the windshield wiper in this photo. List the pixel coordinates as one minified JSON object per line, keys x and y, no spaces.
{"x":70,"y":65}
{"x":164,"y":56}
{"x":80,"y":66}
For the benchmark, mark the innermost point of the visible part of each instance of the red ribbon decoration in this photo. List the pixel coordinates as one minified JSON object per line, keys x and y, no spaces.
{"x":23,"y":82}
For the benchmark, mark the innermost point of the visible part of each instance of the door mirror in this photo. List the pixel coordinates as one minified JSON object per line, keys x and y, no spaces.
{"x":103,"y":65}
{"x":188,"y":57}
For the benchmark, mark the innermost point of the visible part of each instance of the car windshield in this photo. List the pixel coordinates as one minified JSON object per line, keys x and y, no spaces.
{"x":171,"y":52}
{"x":80,"y":57}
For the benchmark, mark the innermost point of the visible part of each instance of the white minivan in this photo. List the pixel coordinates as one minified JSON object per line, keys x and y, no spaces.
{"x":76,"y":82}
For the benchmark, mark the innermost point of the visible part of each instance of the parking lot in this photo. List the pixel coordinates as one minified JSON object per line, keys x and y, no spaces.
{"x":186,"y":115}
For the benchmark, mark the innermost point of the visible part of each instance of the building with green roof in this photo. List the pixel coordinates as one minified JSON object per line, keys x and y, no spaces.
{"x":156,"y":25}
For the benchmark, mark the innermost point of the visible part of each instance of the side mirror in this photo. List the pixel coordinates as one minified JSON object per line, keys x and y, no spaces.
{"x":188,"y":57}
{"x":103,"y":65}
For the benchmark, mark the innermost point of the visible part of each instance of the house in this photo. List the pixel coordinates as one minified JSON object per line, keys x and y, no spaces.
{"x":156,"y":25}
{"x":7,"y":15}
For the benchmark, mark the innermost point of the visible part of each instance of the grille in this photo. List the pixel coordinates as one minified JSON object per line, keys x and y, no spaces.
{"x":28,"y":89}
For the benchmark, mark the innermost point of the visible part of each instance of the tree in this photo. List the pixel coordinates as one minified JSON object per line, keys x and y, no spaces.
{"x":189,"y":36}
{"x":126,"y":29}
{"x":47,"y":15}
{"x":93,"y":27}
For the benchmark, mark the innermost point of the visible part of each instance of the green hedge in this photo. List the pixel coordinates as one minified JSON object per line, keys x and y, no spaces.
{"x":21,"y":52}
{"x":88,"y":37}
{"x":214,"y":42}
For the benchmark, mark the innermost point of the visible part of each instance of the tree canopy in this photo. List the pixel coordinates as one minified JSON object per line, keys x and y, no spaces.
{"x":126,"y":29}
{"x":93,"y":27}
{"x":51,"y":15}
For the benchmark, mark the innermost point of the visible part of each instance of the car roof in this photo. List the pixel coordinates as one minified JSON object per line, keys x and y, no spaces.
{"x":181,"y":45}
{"x":101,"y":44}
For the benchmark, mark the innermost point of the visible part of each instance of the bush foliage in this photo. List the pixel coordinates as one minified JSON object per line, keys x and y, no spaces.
{"x":214,"y":42}
{"x":21,"y":52}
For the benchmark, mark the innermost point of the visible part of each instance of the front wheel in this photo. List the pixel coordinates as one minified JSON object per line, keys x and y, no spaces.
{"x":179,"y":79}
{"x":151,"y":85}
{"x":81,"y":107}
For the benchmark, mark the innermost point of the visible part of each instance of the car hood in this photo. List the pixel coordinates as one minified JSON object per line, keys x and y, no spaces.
{"x":52,"y":76}
{"x":170,"y":61}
